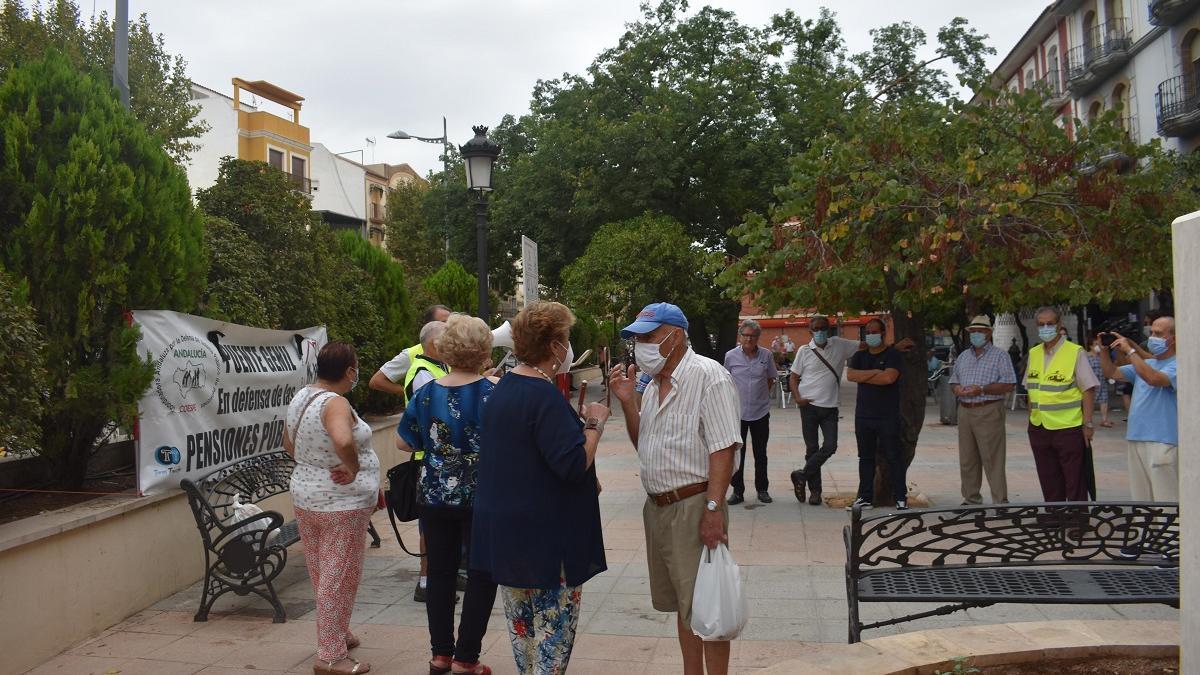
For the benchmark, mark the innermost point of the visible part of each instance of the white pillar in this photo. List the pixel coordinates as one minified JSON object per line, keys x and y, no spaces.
{"x":1186,"y":240}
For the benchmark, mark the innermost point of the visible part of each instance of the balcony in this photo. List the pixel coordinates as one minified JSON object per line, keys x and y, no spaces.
{"x":1167,"y":12}
{"x":1115,"y":157}
{"x":301,"y":184}
{"x":377,"y":213}
{"x":1178,"y":105}
{"x":1051,"y":86}
{"x":1104,"y":51}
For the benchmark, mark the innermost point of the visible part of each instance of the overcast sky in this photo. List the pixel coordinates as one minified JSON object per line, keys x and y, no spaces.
{"x":369,"y":67}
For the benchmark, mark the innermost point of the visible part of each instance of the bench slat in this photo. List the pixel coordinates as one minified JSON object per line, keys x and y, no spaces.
{"x":1007,"y":585}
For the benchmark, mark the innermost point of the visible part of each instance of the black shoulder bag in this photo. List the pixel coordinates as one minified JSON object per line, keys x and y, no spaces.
{"x":401,"y":496}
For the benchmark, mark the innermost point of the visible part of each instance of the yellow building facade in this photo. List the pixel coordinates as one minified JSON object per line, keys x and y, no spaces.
{"x":266,"y":137}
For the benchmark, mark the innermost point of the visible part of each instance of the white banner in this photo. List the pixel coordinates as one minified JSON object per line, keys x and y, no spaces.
{"x":220,"y":393}
{"x":529,"y":269}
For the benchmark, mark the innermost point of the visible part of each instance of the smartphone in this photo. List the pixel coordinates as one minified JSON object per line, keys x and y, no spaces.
{"x":1107,"y":339}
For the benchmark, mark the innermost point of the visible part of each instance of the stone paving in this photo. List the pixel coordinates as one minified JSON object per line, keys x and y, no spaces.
{"x":792,"y":559}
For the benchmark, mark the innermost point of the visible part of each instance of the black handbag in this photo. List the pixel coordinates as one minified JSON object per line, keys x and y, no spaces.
{"x":401,"y":496}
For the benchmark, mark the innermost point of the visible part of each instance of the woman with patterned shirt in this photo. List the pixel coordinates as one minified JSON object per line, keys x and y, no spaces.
{"x":444,"y":419}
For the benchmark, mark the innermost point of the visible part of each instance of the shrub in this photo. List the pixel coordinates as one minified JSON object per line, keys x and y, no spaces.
{"x":97,"y":220}
{"x":22,"y":369}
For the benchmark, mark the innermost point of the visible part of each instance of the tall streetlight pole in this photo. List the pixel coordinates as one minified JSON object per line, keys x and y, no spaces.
{"x":121,"y":51}
{"x":479,"y":154}
{"x":444,"y":140}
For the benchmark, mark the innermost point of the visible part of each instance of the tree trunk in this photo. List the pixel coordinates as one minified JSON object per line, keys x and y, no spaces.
{"x":913,"y":379}
{"x":68,"y":444}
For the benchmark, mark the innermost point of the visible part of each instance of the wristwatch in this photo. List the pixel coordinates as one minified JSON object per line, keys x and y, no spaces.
{"x":711,"y":505}
{"x":594,"y":423}
{"x":1089,"y":425}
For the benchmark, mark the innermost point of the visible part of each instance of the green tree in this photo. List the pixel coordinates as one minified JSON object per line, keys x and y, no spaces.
{"x":642,"y":260}
{"x":97,"y":220}
{"x":22,"y":370}
{"x":159,"y":88}
{"x":240,"y":289}
{"x":454,"y":287}
{"x":410,"y":238}
{"x":993,"y":207}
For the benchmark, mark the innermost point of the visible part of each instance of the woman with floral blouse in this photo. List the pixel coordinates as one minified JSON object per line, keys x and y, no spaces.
{"x":444,"y":419}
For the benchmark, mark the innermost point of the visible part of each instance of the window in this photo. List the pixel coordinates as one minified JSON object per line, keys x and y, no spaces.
{"x":275,"y":158}
{"x":298,"y":166}
{"x":1094,"y":111}
{"x":1029,"y":79}
{"x":1052,"y":69}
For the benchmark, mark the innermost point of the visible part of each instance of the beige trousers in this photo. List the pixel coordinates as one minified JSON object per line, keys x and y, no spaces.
{"x":1153,"y":472}
{"x":982,"y":446}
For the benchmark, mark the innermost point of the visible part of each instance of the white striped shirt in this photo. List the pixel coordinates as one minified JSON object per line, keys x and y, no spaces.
{"x":702,"y":414}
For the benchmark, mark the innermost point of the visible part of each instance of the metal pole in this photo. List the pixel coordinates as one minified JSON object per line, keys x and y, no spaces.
{"x":481,"y":251}
{"x":121,"y":52}
{"x":446,"y":184}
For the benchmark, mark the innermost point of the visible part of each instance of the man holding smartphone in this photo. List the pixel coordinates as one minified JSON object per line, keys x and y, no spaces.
{"x":1153,"y":431}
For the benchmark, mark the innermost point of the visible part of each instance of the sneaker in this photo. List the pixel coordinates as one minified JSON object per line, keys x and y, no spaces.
{"x":902,"y":505}
{"x":764,"y":498}
{"x":864,"y":503}
{"x":1130,"y":552}
{"x":814,"y":498}
{"x":736,"y":499}
{"x":798,"y":480}
{"x":419,"y":594}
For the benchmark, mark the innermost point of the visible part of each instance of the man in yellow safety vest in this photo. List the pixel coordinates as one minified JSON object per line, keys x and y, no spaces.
{"x":1062,"y":393}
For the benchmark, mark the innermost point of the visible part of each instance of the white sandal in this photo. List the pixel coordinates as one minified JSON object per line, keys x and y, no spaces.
{"x":327,"y":669}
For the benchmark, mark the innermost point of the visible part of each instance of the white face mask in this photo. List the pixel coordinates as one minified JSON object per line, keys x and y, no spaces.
{"x":649,"y":357}
{"x":565,"y":366}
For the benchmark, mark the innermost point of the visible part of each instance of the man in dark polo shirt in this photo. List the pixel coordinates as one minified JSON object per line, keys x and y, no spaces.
{"x":877,"y":415}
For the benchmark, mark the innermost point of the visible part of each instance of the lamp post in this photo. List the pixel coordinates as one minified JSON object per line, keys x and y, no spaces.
{"x":479,"y":154}
{"x":444,"y":140}
{"x":612,"y":350}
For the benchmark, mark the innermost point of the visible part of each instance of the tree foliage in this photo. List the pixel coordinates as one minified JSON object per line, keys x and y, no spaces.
{"x":159,"y":88}
{"x":22,"y":370}
{"x":96,"y":219}
{"x":454,"y":287}
{"x":642,"y":260}
{"x":281,"y":246}
{"x":411,"y":239}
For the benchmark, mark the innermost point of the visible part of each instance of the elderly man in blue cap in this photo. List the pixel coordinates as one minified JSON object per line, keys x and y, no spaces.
{"x":686,"y":429}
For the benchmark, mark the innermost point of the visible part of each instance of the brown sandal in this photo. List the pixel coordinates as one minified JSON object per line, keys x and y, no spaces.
{"x":358,"y":668}
{"x":438,"y":666}
{"x":476,"y":668}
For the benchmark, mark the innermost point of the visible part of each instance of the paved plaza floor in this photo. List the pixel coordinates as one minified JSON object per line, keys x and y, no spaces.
{"x":791,"y":555}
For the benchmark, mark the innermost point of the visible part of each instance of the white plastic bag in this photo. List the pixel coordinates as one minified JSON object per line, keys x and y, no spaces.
{"x":240,"y":512}
{"x":718,"y":604}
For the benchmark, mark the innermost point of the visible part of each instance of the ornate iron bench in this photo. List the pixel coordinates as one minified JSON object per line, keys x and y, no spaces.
{"x":245,"y":562}
{"x":976,"y":556}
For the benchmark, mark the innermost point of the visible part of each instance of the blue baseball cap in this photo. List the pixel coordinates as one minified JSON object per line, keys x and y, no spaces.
{"x":655,"y":315}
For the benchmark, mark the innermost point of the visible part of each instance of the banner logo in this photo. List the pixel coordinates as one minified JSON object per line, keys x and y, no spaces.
{"x":187,"y":373}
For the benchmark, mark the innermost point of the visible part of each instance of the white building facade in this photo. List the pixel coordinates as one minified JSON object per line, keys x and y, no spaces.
{"x":1138,"y":57}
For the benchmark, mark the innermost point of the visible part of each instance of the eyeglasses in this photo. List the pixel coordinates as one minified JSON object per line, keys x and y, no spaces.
{"x":749,"y":335}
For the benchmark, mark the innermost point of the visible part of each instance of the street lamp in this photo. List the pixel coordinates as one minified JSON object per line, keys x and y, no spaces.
{"x":444,"y":140}
{"x":479,"y":154}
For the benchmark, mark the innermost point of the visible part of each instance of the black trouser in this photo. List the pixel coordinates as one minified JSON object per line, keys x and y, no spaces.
{"x":445,"y":531}
{"x":814,"y":418}
{"x":759,"y":430}
{"x":879,"y":435}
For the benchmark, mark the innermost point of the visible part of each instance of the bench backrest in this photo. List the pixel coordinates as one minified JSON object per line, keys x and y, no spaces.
{"x":1014,"y":535}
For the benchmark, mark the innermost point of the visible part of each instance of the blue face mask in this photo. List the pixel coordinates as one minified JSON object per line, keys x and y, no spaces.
{"x":1156,"y":345}
{"x":874,"y":339}
{"x":1047,"y":333}
{"x":978,"y":340}
{"x":820,"y":337}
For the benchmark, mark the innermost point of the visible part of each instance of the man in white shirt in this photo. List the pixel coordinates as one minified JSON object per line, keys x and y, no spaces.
{"x":815,"y":382}
{"x":391,"y":376}
{"x":686,"y":433}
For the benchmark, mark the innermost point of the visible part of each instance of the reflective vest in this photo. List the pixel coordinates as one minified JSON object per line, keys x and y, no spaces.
{"x":420,"y":362}
{"x":1055,"y":401}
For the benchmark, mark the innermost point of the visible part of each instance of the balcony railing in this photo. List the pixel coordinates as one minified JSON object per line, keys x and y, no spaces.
{"x":1167,"y":12}
{"x":1105,"y":49}
{"x":301,"y":183}
{"x":1052,"y":85}
{"x":1178,"y":104}
{"x":377,"y":212}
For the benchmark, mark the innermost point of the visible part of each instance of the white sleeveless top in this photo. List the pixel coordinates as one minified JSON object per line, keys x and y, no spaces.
{"x":312,"y":487}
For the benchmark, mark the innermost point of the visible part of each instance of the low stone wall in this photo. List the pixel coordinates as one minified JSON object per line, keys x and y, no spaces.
{"x":68,"y":575}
